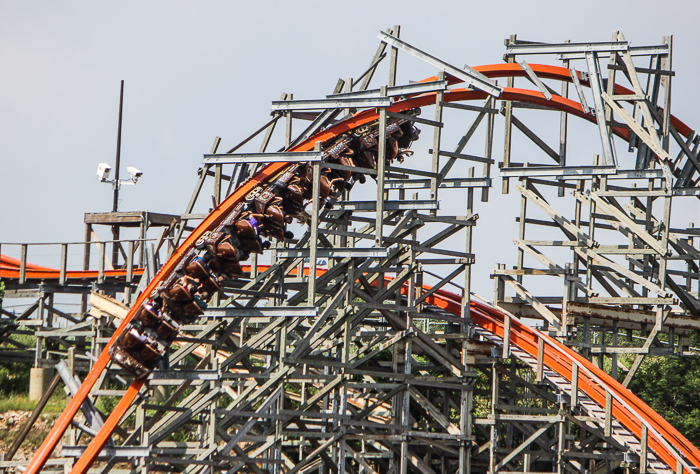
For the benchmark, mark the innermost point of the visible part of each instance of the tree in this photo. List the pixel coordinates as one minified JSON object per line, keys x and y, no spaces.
{"x":671,"y":386}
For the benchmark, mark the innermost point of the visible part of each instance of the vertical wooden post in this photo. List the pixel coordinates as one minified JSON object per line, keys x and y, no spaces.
{"x":142,"y":241}
{"x":129,"y":271}
{"x":563,"y":124}
{"x":23,"y":264}
{"x":217,"y":184}
{"x":64,"y":263}
{"x":643,"y":455}
{"x":506,"y":337}
{"x":381,"y":175}
{"x":86,"y":262}
{"x":217,"y":173}
{"x":313,"y":239}
{"x":574,"y":385}
{"x":561,"y":441}
{"x":508,"y":113}
{"x":488,"y":152}
{"x":288,"y":128}
{"x":437,"y":138}
{"x":540,"y":360}
{"x":394,"y":57}
{"x":466,"y":295}
{"x":663,"y":263}
{"x":521,"y":230}
{"x":667,"y":63}
{"x":586,"y":333}
{"x":494,"y":430}
{"x":499,"y":286}
{"x":39,"y":346}
{"x":615,"y":342}
{"x":101,"y":263}
{"x":607,"y":430}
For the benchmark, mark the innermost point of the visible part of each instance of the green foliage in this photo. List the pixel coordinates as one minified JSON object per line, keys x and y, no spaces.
{"x":106,"y":403}
{"x":14,"y":376}
{"x":2,"y":289}
{"x":21,"y":402}
{"x":671,"y":386}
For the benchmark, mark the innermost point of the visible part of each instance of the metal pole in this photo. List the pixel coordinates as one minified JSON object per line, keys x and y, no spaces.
{"x":119,"y":150}
{"x":115,"y":184}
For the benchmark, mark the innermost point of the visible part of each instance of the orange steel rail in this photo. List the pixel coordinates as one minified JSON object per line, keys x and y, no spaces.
{"x":10,"y":269}
{"x":555,"y":357}
{"x":627,"y":408}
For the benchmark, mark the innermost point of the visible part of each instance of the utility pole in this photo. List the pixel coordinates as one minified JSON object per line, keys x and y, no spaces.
{"x":116,"y":184}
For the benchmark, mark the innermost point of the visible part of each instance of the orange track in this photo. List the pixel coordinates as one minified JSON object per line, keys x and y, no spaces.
{"x":557,"y":357}
{"x":9,"y":270}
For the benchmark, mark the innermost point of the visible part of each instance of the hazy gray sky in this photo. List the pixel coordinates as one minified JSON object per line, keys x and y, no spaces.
{"x":195,"y":70}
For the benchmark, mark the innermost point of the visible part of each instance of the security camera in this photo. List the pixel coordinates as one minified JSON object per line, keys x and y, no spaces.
{"x":134,"y":173}
{"x":103,"y":170}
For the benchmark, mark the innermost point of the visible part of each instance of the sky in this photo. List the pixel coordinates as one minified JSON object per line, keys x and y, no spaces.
{"x":197,"y":70}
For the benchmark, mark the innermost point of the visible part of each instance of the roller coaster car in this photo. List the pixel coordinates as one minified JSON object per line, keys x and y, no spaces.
{"x":167,"y":330}
{"x":148,"y":317}
{"x":345,"y":160}
{"x":367,"y":159}
{"x":273,"y":218}
{"x":180,"y":303}
{"x":409,"y":134}
{"x":136,"y":353}
{"x":207,"y":282}
{"x":224,"y":254}
{"x":271,"y":224}
{"x":225,"y":266}
{"x":248,"y":236}
{"x":128,"y":362}
{"x":150,"y":353}
{"x":392,"y":149}
{"x":293,"y":202}
{"x":306,"y":181}
{"x":132,"y":341}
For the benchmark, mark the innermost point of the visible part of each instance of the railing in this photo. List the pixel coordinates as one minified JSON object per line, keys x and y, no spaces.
{"x":131,"y":260}
{"x":612,"y":393}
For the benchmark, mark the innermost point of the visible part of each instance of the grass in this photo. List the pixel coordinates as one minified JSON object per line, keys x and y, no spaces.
{"x":20,"y":402}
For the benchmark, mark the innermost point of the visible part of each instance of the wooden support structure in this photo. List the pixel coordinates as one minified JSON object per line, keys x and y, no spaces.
{"x":344,"y":362}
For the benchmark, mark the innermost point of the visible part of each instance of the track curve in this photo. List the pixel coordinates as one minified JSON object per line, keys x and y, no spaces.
{"x":630,"y":411}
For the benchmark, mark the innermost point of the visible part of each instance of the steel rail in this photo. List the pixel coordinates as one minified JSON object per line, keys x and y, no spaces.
{"x":629,"y":410}
{"x":10,"y":270}
{"x":271,"y":170}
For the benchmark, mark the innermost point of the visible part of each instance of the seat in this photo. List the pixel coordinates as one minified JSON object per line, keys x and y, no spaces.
{"x":367,"y":159}
{"x":179,"y":293}
{"x":392,"y":148}
{"x":263,"y":200}
{"x":182,"y":310}
{"x":251,"y":246}
{"x":232,"y":267}
{"x":245,"y":230}
{"x":197,"y":270}
{"x":132,"y":341}
{"x":147,"y":316}
{"x":226,"y":249}
{"x":128,"y":362}
{"x":166,"y":331}
{"x":293,"y":199}
{"x":150,"y":354}
{"x":209,"y":284}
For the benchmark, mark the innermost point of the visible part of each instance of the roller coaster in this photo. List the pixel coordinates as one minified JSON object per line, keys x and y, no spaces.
{"x":368,"y":364}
